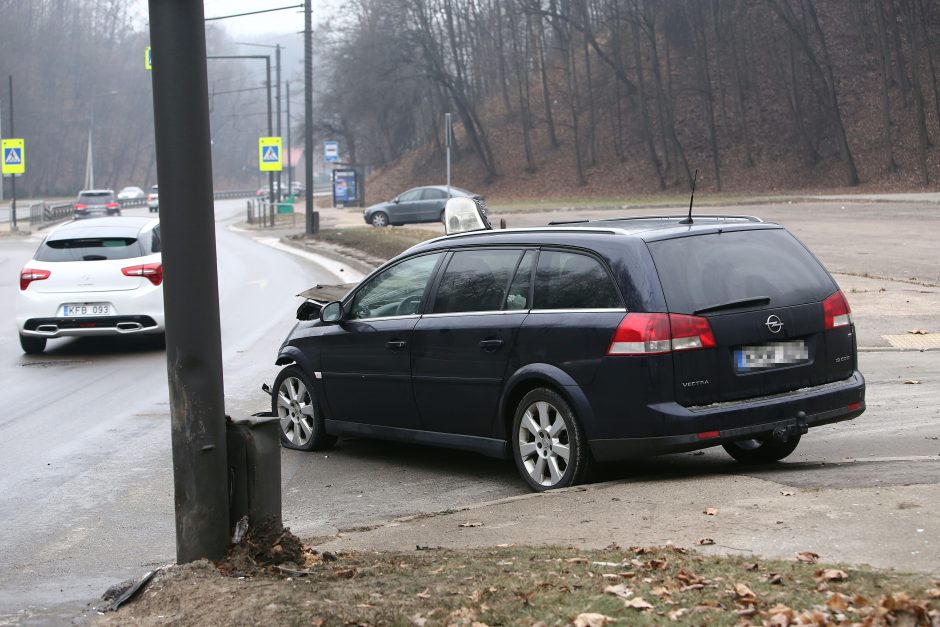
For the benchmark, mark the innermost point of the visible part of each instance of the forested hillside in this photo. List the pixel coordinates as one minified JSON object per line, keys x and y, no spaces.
{"x":600,"y":97}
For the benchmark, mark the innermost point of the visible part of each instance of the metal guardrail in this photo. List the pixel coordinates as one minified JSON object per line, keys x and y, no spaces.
{"x":44,"y":213}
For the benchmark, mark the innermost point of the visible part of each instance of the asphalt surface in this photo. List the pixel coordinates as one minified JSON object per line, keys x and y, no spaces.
{"x":86,"y":481}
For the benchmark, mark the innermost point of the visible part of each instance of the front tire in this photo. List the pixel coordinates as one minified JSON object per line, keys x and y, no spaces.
{"x":32,"y":345}
{"x":379,"y":219}
{"x":296,"y":407}
{"x":765,"y":450}
{"x":548,"y":444}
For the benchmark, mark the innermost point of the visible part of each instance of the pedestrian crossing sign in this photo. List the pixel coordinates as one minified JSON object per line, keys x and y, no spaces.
{"x":148,"y":59}
{"x":14,"y":156}
{"x":269,"y":154}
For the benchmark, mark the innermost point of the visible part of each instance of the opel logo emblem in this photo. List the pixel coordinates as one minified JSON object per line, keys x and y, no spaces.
{"x":774,"y":325}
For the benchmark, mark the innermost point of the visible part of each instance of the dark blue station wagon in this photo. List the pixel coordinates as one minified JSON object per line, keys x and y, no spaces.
{"x":564,"y":345}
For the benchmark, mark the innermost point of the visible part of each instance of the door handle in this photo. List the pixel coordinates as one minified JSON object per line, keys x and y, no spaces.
{"x":395,"y":345}
{"x":491,"y":344}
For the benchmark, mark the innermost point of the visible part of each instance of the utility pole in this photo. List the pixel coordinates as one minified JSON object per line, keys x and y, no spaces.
{"x":448,"y":133}
{"x":267,"y":68}
{"x":290,"y":165}
{"x":312,"y":222}
{"x":277,"y":97}
{"x":12,"y":176}
{"x":191,"y":298}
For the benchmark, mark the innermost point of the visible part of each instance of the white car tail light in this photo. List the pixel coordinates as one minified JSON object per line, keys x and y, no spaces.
{"x":28,"y":275}
{"x":836,"y":311}
{"x":152,"y":271}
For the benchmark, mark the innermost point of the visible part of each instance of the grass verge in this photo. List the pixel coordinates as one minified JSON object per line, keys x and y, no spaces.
{"x":524,"y":586}
{"x":381,"y":243}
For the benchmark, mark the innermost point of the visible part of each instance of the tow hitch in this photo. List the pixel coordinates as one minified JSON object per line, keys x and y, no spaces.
{"x":785,"y":434}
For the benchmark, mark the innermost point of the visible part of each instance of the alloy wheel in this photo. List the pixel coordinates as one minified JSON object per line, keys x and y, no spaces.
{"x":544,"y":445}
{"x":295,"y":411}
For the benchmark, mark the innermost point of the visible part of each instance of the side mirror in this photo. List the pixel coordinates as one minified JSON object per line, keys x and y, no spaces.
{"x":462,"y":215}
{"x":332,"y":312}
{"x":395,"y":200}
{"x":308,"y":310}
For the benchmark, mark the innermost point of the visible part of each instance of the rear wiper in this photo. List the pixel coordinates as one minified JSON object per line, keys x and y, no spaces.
{"x":744,"y":302}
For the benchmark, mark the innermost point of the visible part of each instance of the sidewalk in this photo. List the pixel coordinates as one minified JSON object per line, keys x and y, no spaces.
{"x":755,"y":517}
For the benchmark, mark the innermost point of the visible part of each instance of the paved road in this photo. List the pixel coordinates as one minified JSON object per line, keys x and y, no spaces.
{"x":86,"y":480}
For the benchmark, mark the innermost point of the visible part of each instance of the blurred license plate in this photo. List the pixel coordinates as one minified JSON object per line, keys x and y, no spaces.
{"x":77,"y":310}
{"x":770,"y":355}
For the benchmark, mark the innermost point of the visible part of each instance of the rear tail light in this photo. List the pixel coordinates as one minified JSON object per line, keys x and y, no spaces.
{"x":113,"y":205}
{"x":28,"y":275}
{"x":657,"y":333}
{"x":79,"y":205}
{"x":836,"y":311}
{"x":153,"y":271}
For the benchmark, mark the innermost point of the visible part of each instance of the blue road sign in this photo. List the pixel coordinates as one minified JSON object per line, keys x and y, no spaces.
{"x":331,"y":151}
{"x":13,"y":156}
{"x":271,"y":154}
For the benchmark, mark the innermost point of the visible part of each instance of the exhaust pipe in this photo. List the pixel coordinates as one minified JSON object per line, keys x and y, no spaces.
{"x":129,"y":326}
{"x":47,"y":328}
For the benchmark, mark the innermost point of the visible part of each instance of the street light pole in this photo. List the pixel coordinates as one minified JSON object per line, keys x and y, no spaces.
{"x":290,"y":164}
{"x":277,"y":80}
{"x":12,"y":176}
{"x":191,"y":298}
{"x":267,"y":68}
{"x":311,"y":222}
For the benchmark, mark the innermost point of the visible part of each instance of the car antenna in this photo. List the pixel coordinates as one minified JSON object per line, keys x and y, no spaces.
{"x":688,"y":220}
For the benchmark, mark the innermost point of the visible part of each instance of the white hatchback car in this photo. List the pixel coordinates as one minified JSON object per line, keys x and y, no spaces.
{"x":101,"y":276}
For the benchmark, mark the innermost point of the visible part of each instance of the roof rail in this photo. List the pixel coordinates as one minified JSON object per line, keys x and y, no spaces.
{"x":610,"y":230}
{"x":716,"y":216}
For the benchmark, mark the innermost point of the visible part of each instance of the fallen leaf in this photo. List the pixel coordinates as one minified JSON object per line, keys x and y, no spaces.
{"x":418,"y":620}
{"x":638,"y":604}
{"x":504,"y":546}
{"x":742,"y":591}
{"x":611,"y":576}
{"x":934,"y":593}
{"x":591,"y":619}
{"x":754,"y":566}
{"x":780,"y":616}
{"x":470,"y":524}
{"x":705,"y":541}
{"x":689,"y":578}
{"x":787,"y":492}
{"x":918,"y":331}
{"x":425,"y":594}
{"x":837,"y":603}
{"x":912,"y":382}
{"x":619,"y":590}
{"x":774,"y":579}
{"x":746,"y":612}
{"x":679,"y":613}
{"x":711,"y":511}
{"x":660,"y":591}
{"x":640,"y":550}
{"x":576,"y":560}
{"x":657,"y":564}
{"x":830,"y":574}
{"x":808,"y":557}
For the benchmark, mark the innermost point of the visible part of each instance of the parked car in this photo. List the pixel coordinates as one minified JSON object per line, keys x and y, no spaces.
{"x":571,"y":344}
{"x":131,"y":193}
{"x":96,"y":202}
{"x":102,"y":276}
{"x":297,"y":188}
{"x":153,"y":199}
{"x":420,"y":204}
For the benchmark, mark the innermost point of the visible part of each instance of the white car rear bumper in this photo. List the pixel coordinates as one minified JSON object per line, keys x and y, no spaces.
{"x":131,"y":311}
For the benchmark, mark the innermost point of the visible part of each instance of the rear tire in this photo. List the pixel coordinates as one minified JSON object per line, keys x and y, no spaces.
{"x":548,"y":443}
{"x":379,"y":219}
{"x":297,"y":409}
{"x":32,"y":345}
{"x":765,"y":450}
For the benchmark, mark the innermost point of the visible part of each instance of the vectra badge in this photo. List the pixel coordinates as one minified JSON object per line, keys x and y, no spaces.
{"x":774,"y":324}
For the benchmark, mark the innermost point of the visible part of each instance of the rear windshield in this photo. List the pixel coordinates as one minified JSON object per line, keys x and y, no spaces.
{"x":705,"y":271}
{"x":89,"y":249}
{"x":96,"y":198}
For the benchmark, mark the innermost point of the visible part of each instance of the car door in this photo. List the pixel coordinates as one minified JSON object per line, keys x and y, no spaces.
{"x":432,"y":204}
{"x":367,"y":356}
{"x":462,"y":345}
{"x":408,"y":207}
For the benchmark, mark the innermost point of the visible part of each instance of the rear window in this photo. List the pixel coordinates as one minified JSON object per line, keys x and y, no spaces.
{"x":96,"y":198}
{"x":89,"y":249}
{"x":704,"y":271}
{"x":573,"y":281}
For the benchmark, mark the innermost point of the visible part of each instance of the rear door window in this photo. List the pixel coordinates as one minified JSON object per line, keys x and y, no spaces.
{"x":89,"y":249}
{"x":433,"y":194}
{"x":705,"y":271}
{"x":565,"y":280}
{"x":476,"y":280}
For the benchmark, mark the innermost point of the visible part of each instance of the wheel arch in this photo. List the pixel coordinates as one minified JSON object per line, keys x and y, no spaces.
{"x":535,"y":376}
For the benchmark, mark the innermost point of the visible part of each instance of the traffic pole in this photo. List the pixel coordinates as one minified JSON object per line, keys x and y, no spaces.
{"x":190,"y":286}
{"x":290,"y":165}
{"x":12,"y":176}
{"x":448,"y":132}
{"x":277,"y":70}
{"x":312,"y":223}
